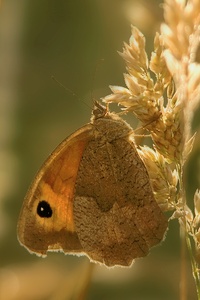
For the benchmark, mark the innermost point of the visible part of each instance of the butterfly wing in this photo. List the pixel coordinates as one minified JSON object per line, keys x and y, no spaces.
{"x":116,"y":216}
{"x":46,"y":221}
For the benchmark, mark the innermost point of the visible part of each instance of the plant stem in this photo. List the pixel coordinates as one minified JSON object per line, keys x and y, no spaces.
{"x":183,"y":281}
{"x":185,"y":241}
{"x":194,"y":265}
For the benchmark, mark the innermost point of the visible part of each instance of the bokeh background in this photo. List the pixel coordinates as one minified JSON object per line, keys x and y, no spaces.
{"x":68,"y":39}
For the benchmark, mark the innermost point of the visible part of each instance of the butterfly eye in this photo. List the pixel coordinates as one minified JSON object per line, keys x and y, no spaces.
{"x":44,"y":209}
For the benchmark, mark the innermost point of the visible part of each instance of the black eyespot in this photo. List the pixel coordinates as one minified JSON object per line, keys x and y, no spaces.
{"x":44,"y":209}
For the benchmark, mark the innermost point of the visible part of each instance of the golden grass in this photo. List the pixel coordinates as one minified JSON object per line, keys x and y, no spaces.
{"x":163,"y":92}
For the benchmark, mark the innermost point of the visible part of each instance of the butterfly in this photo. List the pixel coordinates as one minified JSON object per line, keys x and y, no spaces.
{"x":93,"y":196}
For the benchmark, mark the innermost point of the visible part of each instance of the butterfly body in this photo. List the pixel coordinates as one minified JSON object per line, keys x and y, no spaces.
{"x":93,"y":196}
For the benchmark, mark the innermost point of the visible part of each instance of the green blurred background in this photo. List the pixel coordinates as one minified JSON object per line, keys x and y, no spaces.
{"x":67,"y":39}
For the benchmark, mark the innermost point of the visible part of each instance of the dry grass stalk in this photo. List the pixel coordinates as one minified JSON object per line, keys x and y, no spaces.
{"x":163,"y":93}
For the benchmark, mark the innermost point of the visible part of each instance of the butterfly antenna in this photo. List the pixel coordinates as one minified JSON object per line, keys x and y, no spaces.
{"x":69,"y":91}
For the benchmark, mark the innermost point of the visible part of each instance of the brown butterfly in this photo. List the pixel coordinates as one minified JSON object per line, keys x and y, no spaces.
{"x":93,"y":196}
